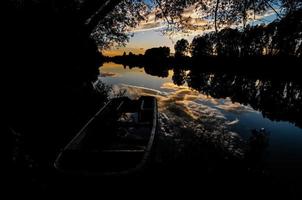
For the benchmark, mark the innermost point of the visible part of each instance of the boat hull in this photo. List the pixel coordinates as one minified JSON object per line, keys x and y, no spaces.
{"x":118,"y":140}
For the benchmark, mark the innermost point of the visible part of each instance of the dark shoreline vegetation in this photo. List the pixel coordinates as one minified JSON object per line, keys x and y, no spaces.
{"x":260,"y":49}
{"x":50,"y":62}
{"x":256,"y":50}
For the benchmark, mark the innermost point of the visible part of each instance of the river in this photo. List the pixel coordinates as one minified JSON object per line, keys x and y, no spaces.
{"x":228,"y":103}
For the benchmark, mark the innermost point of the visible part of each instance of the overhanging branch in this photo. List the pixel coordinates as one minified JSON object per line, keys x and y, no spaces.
{"x":163,"y":12}
{"x":94,"y":19}
{"x":277,"y":13}
{"x":215,"y":16}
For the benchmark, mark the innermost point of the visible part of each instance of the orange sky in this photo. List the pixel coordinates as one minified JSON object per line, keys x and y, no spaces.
{"x":141,"y":41}
{"x":120,"y":51}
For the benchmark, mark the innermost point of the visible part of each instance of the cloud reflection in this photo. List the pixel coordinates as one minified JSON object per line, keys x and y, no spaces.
{"x":108,"y":74}
{"x":183,"y":102}
{"x":187,"y":111}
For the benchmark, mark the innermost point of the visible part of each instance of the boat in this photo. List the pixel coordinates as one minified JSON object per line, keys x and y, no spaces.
{"x":117,"y":140}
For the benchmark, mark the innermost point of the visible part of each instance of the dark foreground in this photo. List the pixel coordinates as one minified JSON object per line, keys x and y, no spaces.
{"x":180,"y":166}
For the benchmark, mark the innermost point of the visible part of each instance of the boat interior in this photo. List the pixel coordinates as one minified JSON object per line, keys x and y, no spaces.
{"x":116,"y":139}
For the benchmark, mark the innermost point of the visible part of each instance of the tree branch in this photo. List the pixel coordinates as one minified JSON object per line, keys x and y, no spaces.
{"x":215,"y":16}
{"x":254,"y":10}
{"x":244,"y":17}
{"x":163,"y":12}
{"x":278,"y":15}
{"x":94,"y":19}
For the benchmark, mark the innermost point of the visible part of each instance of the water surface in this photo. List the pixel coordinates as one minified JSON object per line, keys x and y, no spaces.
{"x":220,"y":103}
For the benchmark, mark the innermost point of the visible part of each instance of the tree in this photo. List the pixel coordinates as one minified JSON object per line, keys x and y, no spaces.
{"x":288,"y":35}
{"x":158,"y":53}
{"x":224,"y":13}
{"x":254,"y":41}
{"x":229,"y":43}
{"x":110,"y":22}
{"x":114,"y":28}
{"x":202,"y":46}
{"x":181,"y":47}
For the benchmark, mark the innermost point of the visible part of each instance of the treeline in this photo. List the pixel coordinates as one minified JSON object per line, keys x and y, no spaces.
{"x":279,"y":42}
{"x":151,"y":56}
{"x":279,"y":38}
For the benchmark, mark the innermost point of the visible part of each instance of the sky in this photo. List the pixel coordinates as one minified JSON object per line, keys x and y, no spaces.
{"x":150,"y":34}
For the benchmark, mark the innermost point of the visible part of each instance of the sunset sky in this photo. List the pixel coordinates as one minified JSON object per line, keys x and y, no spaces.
{"x":149,"y":33}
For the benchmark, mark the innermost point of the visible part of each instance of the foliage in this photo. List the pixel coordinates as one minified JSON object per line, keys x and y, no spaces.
{"x":228,"y":43}
{"x":202,"y":45}
{"x":223,"y":13}
{"x":159,"y":53}
{"x":115,"y":28}
{"x":280,"y":38}
{"x":181,"y":47}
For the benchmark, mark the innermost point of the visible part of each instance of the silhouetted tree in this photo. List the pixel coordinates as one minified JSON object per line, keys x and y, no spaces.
{"x":279,"y":38}
{"x":202,"y":46}
{"x":113,"y":28}
{"x":223,"y":13}
{"x":157,"y":54}
{"x":229,"y":43}
{"x":181,"y":47}
{"x":291,"y":5}
{"x":289,"y":34}
{"x":254,"y":40}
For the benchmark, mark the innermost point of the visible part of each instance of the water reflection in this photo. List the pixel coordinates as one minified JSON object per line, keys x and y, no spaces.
{"x":185,"y":116}
{"x":179,"y":76}
{"x":218,"y":103}
{"x":160,"y":71}
{"x":277,"y":100}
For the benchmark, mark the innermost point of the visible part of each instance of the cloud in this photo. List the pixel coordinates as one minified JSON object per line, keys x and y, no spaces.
{"x":236,"y":121}
{"x":151,"y":23}
{"x":172,"y":86}
{"x":190,"y":18}
{"x":265,"y":15}
{"x":193,"y":22}
{"x":108,"y":74}
{"x":149,"y":26}
{"x":229,"y":106}
{"x":188,"y":96}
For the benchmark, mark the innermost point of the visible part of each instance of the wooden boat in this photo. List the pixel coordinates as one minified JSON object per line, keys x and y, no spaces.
{"x":117,"y":140}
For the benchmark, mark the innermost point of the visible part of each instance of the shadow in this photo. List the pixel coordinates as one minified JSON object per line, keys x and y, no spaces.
{"x":49,"y":63}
